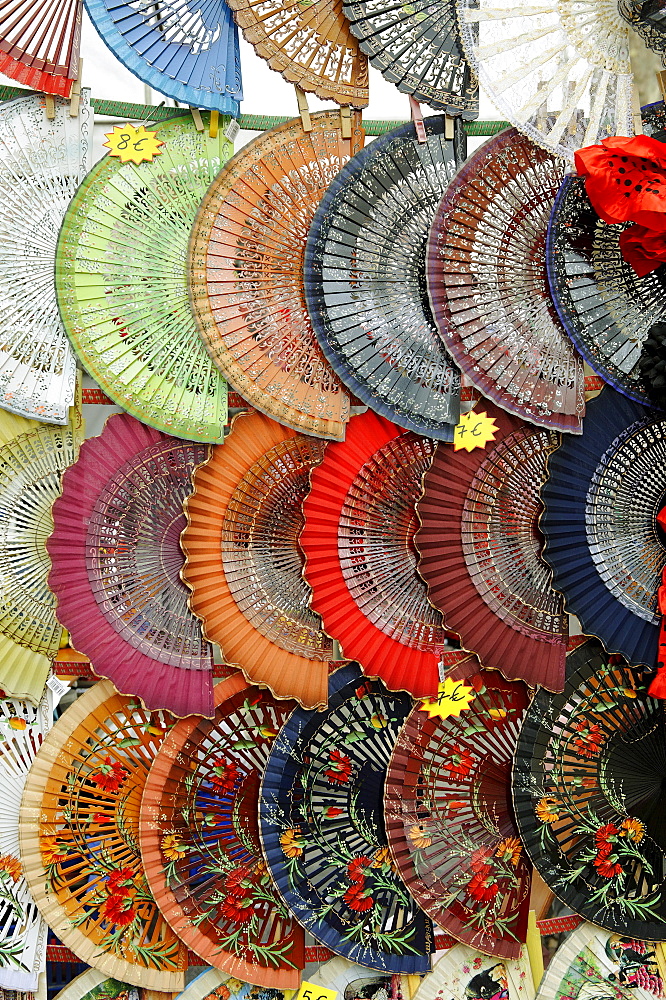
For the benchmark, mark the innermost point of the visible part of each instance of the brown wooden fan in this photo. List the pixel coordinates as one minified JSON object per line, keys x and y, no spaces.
{"x":310,"y":44}
{"x":39,"y":43}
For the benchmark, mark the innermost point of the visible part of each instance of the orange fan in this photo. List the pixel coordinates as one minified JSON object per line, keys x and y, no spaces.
{"x":246,"y":282}
{"x":310,"y":43}
{"x":243,"y":562}
{"x":360,"y":521}
{"x":40,"y":42}
{"x":200,"y":839}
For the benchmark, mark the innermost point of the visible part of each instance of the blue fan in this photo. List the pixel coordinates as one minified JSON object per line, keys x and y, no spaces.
{"x":185,"y":49}
{"x":602,"y":538}
{"x":321,"y":816}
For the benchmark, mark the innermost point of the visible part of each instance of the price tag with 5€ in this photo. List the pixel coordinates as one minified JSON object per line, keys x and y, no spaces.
{"x":309,"y":991}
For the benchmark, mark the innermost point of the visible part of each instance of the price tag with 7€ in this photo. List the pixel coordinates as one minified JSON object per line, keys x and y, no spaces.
{"x":130,"y":143}
{"x":475,"y":430}
{"x":309,"y":991}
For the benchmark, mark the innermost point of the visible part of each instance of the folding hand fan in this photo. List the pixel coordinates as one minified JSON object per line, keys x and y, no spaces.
{"x":122,"y":283}
{"x":22,"y":930}
{"x":416,"y":46}
{"x":39,"y":44}
{"x":79,"y":837}
{"x":365,"y":277}
{"x":246,"y":272}
{"x":216,"y":985}
{"x":480,"y":552}
{"x":354,"y":982}
{"x":360,"y":521}
{"x":559,"y":71}
{"x":322,"y":826}
{"x":604,"y":306}
{"x":588,"y":795}
{"x":592,"y":963}
{"x":200,"y":839}
{"x":184,"y":49}
{"x":602,"y":539}
{"x":94,"y":985}
{"x":465,"y":974}
{"x":42,"y":162}
{"x":244,"y":565}
{"x":116,"y":565}
{"x":309,"y":44}
{"x":488,"y":287}
{"x":447,"y":808}
{"x":647,"y":18}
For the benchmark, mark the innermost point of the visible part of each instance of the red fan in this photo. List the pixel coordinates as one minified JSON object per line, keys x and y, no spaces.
{"x":39,"y":43}
{"x":480,"y":551}
{"x":447,"y":807}
{"x":360,"y":560}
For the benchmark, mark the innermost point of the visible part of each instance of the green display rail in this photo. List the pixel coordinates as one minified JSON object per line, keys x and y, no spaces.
{"x":254,"y":123}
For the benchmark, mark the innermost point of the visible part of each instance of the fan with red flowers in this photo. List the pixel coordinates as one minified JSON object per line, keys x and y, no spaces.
{"x":200,"y":841}
{"x":480,"y":551}
{"x":360,"y":560}
{"x":447,"y":807}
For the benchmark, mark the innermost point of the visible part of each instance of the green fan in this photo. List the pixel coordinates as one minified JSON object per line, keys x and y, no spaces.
{"x":122,"y":287}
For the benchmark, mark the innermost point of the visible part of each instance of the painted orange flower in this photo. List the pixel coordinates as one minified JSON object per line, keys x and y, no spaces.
{"x":381,"y":858}
{"x":632,"y":829}
{"x":509,"y":850}
{"x":173,"y":847}
{"x":418,"y":837}
{"x":53,"y":849}
{"x":291,"y":842}
{"x":12,"y":866}
{"x":547,"y":809}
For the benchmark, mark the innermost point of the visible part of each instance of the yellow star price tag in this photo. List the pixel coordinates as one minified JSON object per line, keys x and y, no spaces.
{"x":135,"y":144}
{"x":475,"y":430}
{"x":308,"y":991}
{"x":453,"y":697}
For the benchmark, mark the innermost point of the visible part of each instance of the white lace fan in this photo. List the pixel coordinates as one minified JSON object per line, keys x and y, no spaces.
{"x":465,"y":974}
{"x":558,"y":70}
{"x":22,"y":929}
{"x":42,"y":162}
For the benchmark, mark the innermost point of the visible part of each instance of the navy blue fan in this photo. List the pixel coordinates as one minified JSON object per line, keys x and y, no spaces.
{"x":185,"y":49}
{"x":603,"y":541}
{"x":365,"y":280}
{"x":322,"y":825}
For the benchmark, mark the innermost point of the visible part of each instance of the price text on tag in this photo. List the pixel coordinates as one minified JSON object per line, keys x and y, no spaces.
{"x":309,"y":991}
{"x":135,"y":144}
{"x":475,"y":430}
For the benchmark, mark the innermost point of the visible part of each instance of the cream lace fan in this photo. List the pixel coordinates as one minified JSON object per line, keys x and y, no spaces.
{"x":559,"y":71}
{"x":42,"y":162}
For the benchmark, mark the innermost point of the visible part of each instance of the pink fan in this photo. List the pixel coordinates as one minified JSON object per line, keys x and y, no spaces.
{"x":116,"y":559}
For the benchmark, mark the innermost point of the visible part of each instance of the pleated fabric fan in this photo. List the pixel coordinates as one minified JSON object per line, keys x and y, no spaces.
{"x":449,"y":822}
{"x":322,"y":827}
{"x":216,"y":985}
{"x":587,"y":792}
{"x":592,"y":963}
{"x":42,"y":162}
{"x":79,"y":838}
{"x":647,"y":18}
{"x":200,"y":839}
{"x":310,"y":44}
{"x":558,"y":71}
{"x":116,"y":558}
{"x":244,"y":565}
{"x":606,"y":309}
{"x":365,"y":277}
{"x":22,"y":930}
{"x":246,"y":260}
{"x":465,"y":974}
{"x":602,"y":539}
{"x":480,"y":551}
{"x":94,"y":985}
{"x":181,"y":48}
{"x":417,"y":47}
{"x":488,"y":286}
{"x":360,"y":520}
{"x":40,"y":44}
{"x":355,"y":981}
{"x":121,"y":280}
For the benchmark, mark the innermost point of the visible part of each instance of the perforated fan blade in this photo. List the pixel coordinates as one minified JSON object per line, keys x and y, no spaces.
{"x":480,"y":551}
{"x":185,"y":49}
{"x":244,"y":566}
{"x":42,"y":162}
{"x":593,"y":961}
{"x":560,"y":72}
{"x":321,"y":822}
{"x":465,"y":974}
{"x":39,"y":44}
{"x":488,"y":286}
{"x":360,"y":520}
{"x":309,"y":44}
{"x":447,"y":805}
{"x":200,"y":840}
{"x":416,"y":46}
{"x":365,"y":278}
{"x":588,"y":796}
{"x":246,"y":260}
{"x":127,"y":228}
{"x":599,"y":522}
{"x":116,"y":571}
{"x":79,"y":838}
